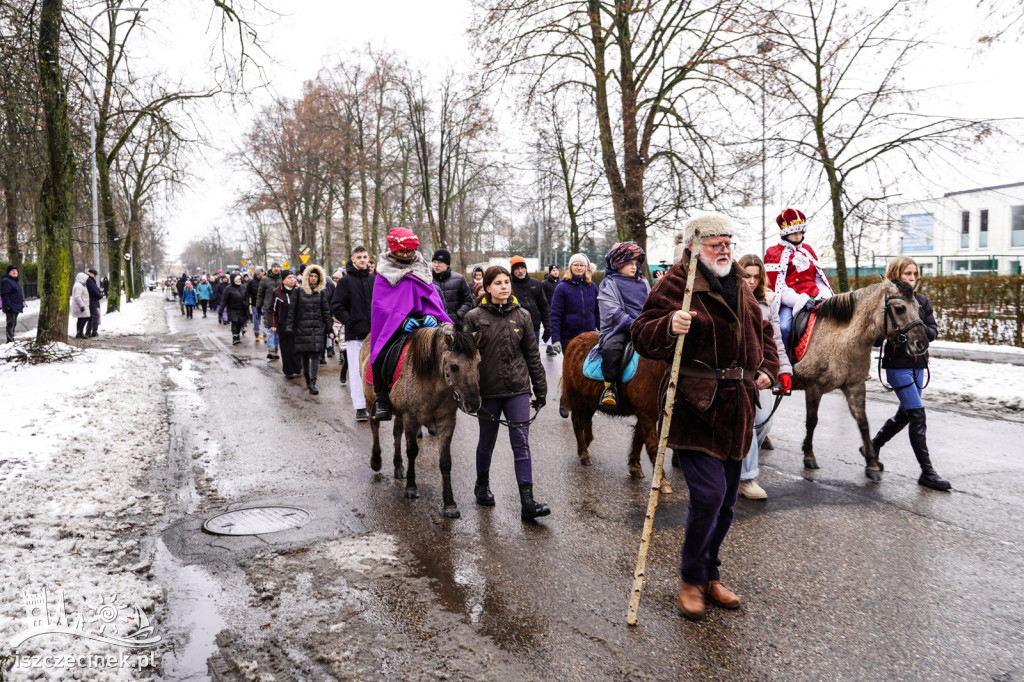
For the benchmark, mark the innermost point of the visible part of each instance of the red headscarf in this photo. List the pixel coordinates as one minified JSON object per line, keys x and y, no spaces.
{"x":402,"y":239}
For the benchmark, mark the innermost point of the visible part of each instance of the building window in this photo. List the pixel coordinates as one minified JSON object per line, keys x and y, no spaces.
{"x":983,"y":229}
{"x":1017,"y":226}
{"x":965,"y":229}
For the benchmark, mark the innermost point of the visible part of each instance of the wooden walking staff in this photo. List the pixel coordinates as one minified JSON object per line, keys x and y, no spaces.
{"x":659,"y":461}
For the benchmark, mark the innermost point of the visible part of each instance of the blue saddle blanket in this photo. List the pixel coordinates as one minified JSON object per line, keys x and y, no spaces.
{"x":592,"y":365}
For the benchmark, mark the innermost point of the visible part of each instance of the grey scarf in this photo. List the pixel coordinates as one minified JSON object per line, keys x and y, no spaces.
{"x":393,"y":271}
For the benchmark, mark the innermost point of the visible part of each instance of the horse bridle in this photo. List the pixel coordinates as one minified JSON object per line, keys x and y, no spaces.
{"x":481,"y":412}
{"x":899,"y":338}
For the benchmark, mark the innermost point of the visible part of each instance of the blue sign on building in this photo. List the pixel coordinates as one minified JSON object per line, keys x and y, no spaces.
{"x":918,"y":232}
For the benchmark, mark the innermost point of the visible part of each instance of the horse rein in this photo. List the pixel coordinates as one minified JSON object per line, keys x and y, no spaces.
{"x":481,"y":413}
{"x":899,"y":339}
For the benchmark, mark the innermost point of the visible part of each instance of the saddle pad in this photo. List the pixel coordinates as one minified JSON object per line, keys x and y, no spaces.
{"x":368,"y":378}
{"x":592,"y":365}
{"x":800,"y":350}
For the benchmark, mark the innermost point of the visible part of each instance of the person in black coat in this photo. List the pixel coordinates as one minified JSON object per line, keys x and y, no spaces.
{"x":351,"y":307}
{"x":13,"y":299}
{"x":530,"y":296}
{"x":252,"y":288}
{"x":452,"y":286}
{"x":276,"y":306}
{"x":548,"y":284}
{"x":309,"y":321}
{"x":217,"y":301}
{"x":95,"y":296}
{"x":234,"y":300}
{"x":905,"y":373}
{"x":328,"y":347}
{"x":180,"y":287}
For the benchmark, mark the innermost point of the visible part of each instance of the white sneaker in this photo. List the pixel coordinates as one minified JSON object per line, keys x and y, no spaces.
{"x":752,"y":491}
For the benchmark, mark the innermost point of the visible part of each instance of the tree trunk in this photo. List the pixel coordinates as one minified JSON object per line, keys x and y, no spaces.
{"x":57,"y":197}
{"x":11,"y":226}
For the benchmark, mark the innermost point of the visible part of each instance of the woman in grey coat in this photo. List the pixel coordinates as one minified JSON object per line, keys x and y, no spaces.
{"x":757,"y":280}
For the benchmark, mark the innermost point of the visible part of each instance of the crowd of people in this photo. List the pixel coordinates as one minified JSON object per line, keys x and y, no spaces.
{"x":738,"y":326}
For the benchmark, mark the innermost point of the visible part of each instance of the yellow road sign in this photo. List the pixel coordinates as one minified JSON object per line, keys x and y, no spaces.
{"x":304,"y":258}
{"x":285,"y":266}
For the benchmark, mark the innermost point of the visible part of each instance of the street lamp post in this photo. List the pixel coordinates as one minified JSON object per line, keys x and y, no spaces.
{"x":92,"y":136}
{"x":762,"y":49}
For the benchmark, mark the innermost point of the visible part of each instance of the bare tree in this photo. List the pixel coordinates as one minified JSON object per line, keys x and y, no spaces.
{"x":838,"y":69}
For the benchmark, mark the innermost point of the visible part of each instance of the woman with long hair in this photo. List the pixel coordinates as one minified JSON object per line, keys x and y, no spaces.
{"x":756,"y":278}
{"x":905,"y":373}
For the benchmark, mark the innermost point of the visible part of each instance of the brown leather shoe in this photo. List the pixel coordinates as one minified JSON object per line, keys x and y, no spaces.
{"x":691,"y":600}
{"x":720,"y":595}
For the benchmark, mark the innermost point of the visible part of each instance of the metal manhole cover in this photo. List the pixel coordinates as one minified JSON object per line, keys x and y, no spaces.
{"x":257,"y":521}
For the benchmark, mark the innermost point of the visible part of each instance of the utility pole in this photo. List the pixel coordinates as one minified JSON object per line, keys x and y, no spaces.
{"x":762,"y":49}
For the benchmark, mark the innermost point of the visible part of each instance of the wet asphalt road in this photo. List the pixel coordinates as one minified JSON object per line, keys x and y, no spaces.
{"x":840,"y":578}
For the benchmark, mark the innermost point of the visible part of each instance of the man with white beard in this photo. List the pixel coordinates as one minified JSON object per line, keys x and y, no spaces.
{"x":728,"y":355}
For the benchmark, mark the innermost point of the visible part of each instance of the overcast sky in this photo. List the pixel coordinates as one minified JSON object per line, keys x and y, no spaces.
{"x":432,"y":35}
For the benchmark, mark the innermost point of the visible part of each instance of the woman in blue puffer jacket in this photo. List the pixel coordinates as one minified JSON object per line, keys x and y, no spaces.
{"x":574,"y":303}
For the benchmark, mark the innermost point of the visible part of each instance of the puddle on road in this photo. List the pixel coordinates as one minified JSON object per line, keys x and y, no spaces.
{"x":192,"y":620}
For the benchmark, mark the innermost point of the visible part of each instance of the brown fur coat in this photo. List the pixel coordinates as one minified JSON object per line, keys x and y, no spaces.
{"x":711,"y":416}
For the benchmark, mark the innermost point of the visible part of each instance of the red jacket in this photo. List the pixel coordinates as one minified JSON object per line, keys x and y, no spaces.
{"x":801,"y":281}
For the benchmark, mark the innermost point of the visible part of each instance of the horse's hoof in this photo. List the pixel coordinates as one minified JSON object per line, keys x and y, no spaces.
{"x":411,"y":493}
{"x":875,"y":475}
{"x":400,"y":473}
{"x":375,"y":462}
{"x":451,"y":513}
{"x":636,"y":472}
{"x":665,"y":488}
{"x":585,"y":461}
{"x":811,"y":463}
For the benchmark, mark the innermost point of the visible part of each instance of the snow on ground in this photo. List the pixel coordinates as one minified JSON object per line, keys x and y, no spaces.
{"x":980,"y":385}
{"x":134,"y":319}
{"x":955,"y":345}
{"x":78,"y":440}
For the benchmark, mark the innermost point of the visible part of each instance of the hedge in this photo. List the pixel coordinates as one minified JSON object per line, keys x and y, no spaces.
{"x":27,"y":272}
{"x":985,"y":309}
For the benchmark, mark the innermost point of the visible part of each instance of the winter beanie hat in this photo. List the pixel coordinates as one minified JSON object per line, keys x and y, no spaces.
{"x":402,"y":239}
{"x":443,"y":255}
{"x":552,"y":267}
{"x":516,"y":261}
{"x":624,"y":252}
{"x":704,"y":225}
{"x":580,"y":258}
{"x":791,"y":221}
{"x":339,"y":273}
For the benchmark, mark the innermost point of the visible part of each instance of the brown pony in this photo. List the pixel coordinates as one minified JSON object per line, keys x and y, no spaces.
{"x":440,"y":375}
{"x":839,"y":354}
{"x":639,"y":397}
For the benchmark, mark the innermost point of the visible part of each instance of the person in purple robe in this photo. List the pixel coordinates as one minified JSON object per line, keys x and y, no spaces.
{"x":404,"y":298}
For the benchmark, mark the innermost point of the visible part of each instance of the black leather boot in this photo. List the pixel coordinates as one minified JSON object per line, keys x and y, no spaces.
{"x":919,"y":442}
{"x":889,"y":429}
{"x":482,"y":489}
{"x":531,"y":509}
{"x":381,"y":409}
{"x":312,"y":387}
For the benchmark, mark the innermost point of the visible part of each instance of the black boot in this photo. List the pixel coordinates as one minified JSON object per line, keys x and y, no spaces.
{"x":235,"y":340}
{"x":889,"y":429}
{"x":919,"y":442}
{"x":312,"y":387}
{"x":531,"y":509}
{"x":482,"y":489}
{"x":381,"y":409}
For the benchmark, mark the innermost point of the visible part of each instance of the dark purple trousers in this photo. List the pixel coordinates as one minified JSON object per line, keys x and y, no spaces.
{"x":713,"y":485}
{"x":515,"y":409}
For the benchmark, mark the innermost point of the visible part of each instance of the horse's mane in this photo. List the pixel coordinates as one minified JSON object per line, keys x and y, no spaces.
{"x":427,"y":345}
{"x":839,"y":308}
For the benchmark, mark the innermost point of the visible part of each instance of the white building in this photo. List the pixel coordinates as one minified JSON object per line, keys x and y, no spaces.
{"x":968,"y":232}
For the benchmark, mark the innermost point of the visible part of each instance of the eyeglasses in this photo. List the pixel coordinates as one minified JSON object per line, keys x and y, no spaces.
{"x":718,"y":248}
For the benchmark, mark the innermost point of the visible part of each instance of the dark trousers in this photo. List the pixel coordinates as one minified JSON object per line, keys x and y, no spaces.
{"x":515,"y":409}
{"x":611,"y":355}
{"x":381,"y":382}
{"x":203,"y":303}
{"x":289,"y":359}
{"x":713,"y":485}
{"x":310,"y":364}
{"x":12,"y":324}
{"x":188,"y":311}
{"x":236,"y":327}
{"x":94,"y":322}
{"x":80,"y":326}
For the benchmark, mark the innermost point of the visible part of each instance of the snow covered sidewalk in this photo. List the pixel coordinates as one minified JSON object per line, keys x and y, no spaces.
{"x":79,"y":439}
{"x":134,"y":319}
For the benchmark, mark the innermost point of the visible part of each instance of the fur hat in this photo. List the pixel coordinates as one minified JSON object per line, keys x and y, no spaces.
{"x":791,"y":221}
{"x":704,"y":225}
